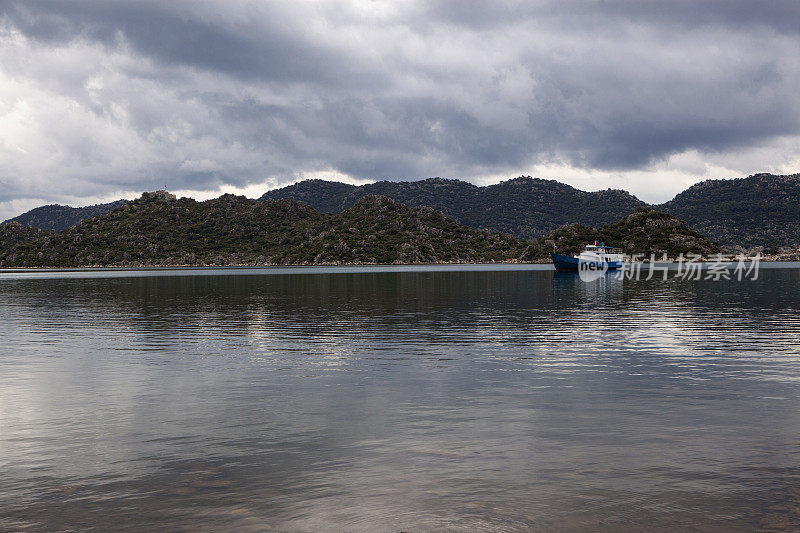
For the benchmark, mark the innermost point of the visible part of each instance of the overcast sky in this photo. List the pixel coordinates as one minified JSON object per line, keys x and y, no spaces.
{"x":104,"y":99}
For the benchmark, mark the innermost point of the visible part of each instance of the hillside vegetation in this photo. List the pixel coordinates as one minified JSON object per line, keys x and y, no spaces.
{"x":761,"y":210}
{"x":60,"y":217}
{"x":524,"y":207}
{"x":644,"y":231}
{"x":158,"y":229}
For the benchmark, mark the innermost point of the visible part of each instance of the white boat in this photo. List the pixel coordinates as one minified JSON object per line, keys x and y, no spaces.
{"x":593,"y":257}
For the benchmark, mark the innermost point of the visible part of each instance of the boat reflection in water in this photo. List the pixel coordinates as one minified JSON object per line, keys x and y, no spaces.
{"x":605,"y":287}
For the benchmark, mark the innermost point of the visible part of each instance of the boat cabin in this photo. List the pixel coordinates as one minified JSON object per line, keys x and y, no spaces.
{"x":602,"y":249}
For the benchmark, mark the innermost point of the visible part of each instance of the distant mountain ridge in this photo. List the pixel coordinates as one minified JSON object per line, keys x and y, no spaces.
{"x":760,"y":210}
{"x":526,"y":207}
{"x":161,"y":230}
{"x":60,"y":217}
{"x":644,"y":231}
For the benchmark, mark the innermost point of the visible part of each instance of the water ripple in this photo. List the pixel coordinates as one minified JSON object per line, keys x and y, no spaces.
{"x":419,"y":399}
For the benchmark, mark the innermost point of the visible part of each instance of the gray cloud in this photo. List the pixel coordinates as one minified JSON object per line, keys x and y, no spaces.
{"x":104,"y":96}
{"x":271,"y":47}
{"x":781,"y":16}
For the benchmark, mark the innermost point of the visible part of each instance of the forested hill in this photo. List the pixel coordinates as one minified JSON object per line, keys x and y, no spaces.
{"x":645,"y":231}
{"x":59,"y":217}
{"x":158,"y":229}
{"x":525,"y":207}
{"x":760,"y":210}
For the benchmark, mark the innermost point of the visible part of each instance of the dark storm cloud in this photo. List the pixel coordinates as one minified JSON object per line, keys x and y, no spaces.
{"x":779,"y":15}
{"x":171,"y":33}
{"x":225,"y":92}
{"x":782,"y":16}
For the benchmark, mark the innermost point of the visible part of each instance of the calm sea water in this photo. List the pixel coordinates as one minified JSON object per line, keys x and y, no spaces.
{"x":394,"y":399}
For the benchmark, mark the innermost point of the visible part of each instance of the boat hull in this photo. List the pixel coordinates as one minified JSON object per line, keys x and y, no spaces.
{"x":565,"y":262}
